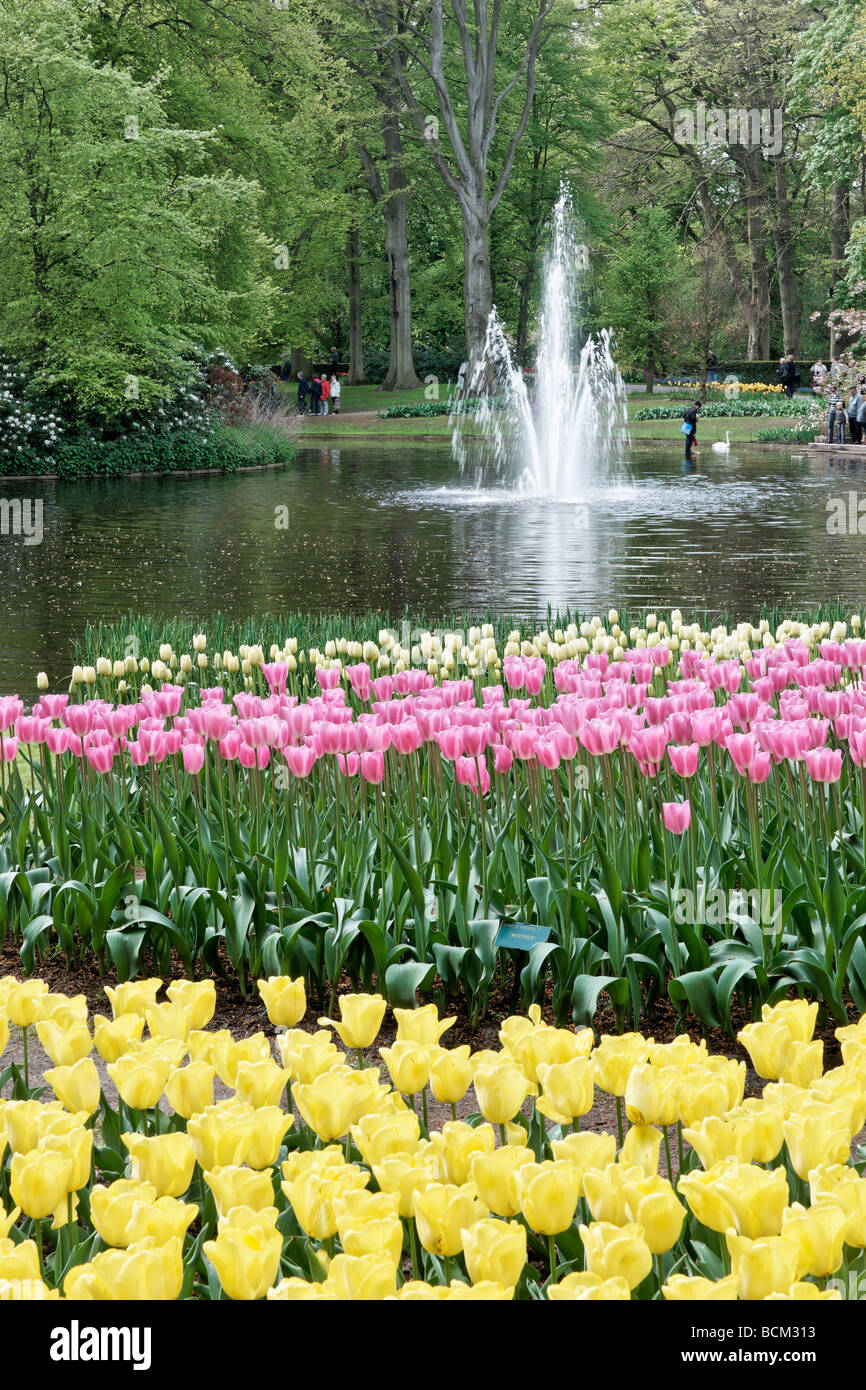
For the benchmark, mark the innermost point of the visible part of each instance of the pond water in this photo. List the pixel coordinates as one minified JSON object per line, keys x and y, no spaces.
{"x":372,"y":526}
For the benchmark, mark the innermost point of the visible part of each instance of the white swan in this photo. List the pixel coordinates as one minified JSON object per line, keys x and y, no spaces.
{"x":725,"y":448}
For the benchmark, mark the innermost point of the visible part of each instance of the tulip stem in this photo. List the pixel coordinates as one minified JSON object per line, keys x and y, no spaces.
{"x":360,"y":1059}
{"x":668,"y":1153}
{"x":660,"y":1269}
{"x":413,"y":1246}
{"x":575,"y":1124}
{"x":502,"y":1135}
{"x":424,"y":1107}
{"x":680,"y":1144}
{"x":551,"y":1254}
{"x":26,"y":1060}
{"x":37,"y":1231}
{"x":70,"y":1221}
{"x":454,"y":1110}
{"x":619,"y":1120}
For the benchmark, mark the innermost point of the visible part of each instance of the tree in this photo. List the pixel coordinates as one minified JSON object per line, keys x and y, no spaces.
{"x":641,"y":278}
{"x":121,"y":255}
{"x":424,"y":41}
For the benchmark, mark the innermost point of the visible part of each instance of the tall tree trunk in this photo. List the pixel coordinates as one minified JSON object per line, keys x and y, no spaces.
{"x":477,"y":284}
{"x":789,"y":294}
{"x":356,"y":346}
{"x":401,"y":367}
{"x":839,"y":231}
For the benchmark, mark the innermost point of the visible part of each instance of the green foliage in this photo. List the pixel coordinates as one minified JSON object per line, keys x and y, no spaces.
{"x":224,"y":448}
{"x":640,"y":279}
{"x":781,"y":434}
{"x":735,"y":408}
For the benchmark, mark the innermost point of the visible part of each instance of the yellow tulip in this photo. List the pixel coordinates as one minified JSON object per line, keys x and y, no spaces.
{"x":269,"y":1130}
{"x":146,"y":1272}
{"x":77,"y":1087}
{"x":653,"y":1204}
{"x":77,"y":1146}
{"x":770,"y":1046}
{"x":417,"y":1291}
{"x":805,"y":1293}
{"x":112,"y":1038}
{"x":26,"y":1291}
{"x":305,"y":1160}
{"x":819,"y":1234}
{"x":198,"y":998}
{"x":764,"y":1130}
{"x":261,"y":1083}
{"x":500,"y":1091}
{"x":486,"y":1291}
{"x":706,"y":1201}
{"x":220,"y":1137}
{"x":361,"y":1016}
{"x":542,"y":1046}
{"x":262,"y":1222}
{"x":285,"y":999}
{"x":4,"y":1033}
{"x":651,"y":1094}
{"x":606,"y":1192}
{"x":493,"y":1175}
{"x":7,"y":1220}
{"x":567,"y":1089}
{"x":408,"y":1064}
{"x":313,"y":1195}
{"x":19,"y":1261}
{"x":442,"y":1211}
{"x":681,"y":1053}
{"x":246,"y":1262}
{"x":380,"y":1136}
{"x":806,"y":1065}
{"x":813,"y":1140}
{"x":165,"y":1160}
{"x":309,"y":1056}
{"x":111,"y":1208}
{"x":384,"y":1237}
{"x":361,"y":1278}
{"x":65,"y":1046}
{"x":28,"y":1122}
{"x":189,"y":1090}
{"x":405,"y":1175}
{"x":451,"y":1073}
{"x":798,"y":1016}
{"x":586,"y":1151}
{"x":714,"y":1139}
{"x":702,"y":1093}
{"x":233,"y":1186}
{"x":586,"y":1287}
{"x":64,"y":1009}
{"x":684,"y":1288}
{"x":761,"y":1267}
{"x":641,"y":1148}
{"x":168,"y":1021}
{"x":329,"y":1104}
{"x":24,"y":1001}
{"x":615,"y":1057}
{"x":228,"y":1057}
{"x":495,"y":1250}
{"x":548,"y":1195}
{"x":163,"y":1219}
{"x":422,"y":1026}
{"x":840,"y":1186}
{"x":755,"y":1197}
{"x":201,"y":1043}
{"x":617,"y":1252}
{"x":40,"y":1180}
{"x":297,"y":1291}
{"x":457,"y":1144}
{"x":140,"y":1080}
{"x":134,"y":997}
{"x":358,"y":1207}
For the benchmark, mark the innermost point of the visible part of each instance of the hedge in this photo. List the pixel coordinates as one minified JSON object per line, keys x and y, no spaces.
{"x":226,"y":449}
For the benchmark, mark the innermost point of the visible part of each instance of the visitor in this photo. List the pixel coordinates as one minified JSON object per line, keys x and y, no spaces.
{"x":855,"y":400}
{"x":835,"y":369}
{"x":316,"y":394}
{"x":818,"y":374}
{"x":712,"y":366}
{"x":789,"y":374}
{"x":303,"y":392}
{"x":836,"y":418}
{"x":326,"y":392}
{"x":690,"y":429}
{"x":336,"y":392}
{"x":861,"y":413}
{"x":335,"y":361}
{"x":285,"y":369}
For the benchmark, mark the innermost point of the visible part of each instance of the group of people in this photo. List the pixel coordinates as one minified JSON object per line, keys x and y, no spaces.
{"x":322,"y":393}
{"x":788,"y":373}
{"x":851,"y":412}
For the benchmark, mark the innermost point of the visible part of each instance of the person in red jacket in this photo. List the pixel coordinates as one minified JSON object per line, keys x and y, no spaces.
{"x":326,"y":392}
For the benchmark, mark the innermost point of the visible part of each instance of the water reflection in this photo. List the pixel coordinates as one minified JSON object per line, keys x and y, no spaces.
{"x":372,"y":527}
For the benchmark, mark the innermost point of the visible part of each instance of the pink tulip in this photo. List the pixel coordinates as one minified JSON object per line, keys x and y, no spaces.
{"x":450,"y":743}
{"x":300,"y":760}
{"x":30,"y":729}
{"x":193,"y":758}
{"x":684,"y":759}
{"x":9,"y":749}
{"x":503,"y":757}
{"x":373,"y":767}
{"x":101,"y":758}
{"x":743,"y":749}
{"x":349,"y":763}
{"x":79,"y":718}
{"x":677,"y":816}
{"x":276,"y":674}
{"x":824,"y":764}
{"x":759,"y":769}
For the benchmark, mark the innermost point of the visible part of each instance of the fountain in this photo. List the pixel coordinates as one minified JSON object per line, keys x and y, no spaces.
{"x":573,"y":433}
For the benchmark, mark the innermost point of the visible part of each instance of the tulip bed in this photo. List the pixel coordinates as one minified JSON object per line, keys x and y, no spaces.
{"x":348,"y":1190}
{"x":680,"y":812}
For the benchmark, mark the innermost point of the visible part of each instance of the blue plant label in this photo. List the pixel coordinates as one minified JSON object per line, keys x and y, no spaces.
{"x":521,"y":936}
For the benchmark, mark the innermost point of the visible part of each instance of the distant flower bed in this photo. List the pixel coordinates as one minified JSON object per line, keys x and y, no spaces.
{"x":733,"y":407}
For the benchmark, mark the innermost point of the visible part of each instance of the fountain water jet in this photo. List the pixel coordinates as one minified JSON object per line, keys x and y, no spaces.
{"x":575,"y":433}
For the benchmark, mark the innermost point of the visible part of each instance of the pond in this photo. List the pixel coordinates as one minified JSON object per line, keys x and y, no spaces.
{"x":370,"y":526}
